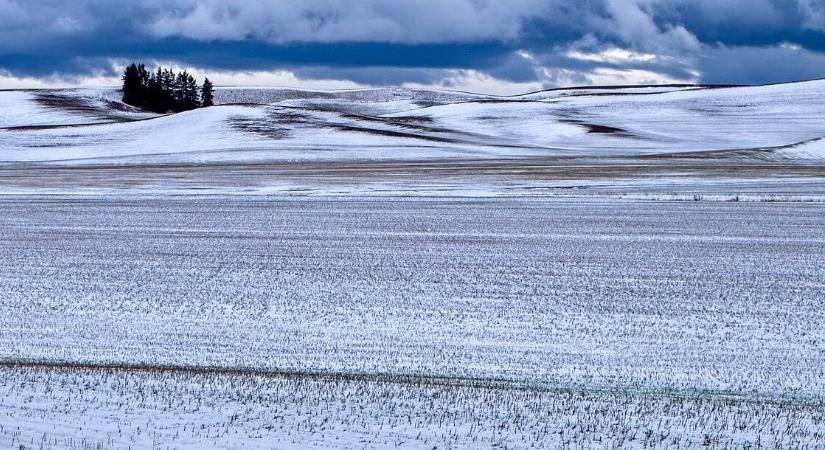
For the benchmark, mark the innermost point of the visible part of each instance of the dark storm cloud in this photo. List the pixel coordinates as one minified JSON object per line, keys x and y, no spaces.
{"x":391,"y":41}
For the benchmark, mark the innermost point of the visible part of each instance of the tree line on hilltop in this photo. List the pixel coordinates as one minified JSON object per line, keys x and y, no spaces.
{"x":164,"y":90}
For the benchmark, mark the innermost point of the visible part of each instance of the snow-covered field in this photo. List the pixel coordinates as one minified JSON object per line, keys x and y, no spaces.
{"x":110,"y":408}
{"x":679,"y":140}
{"x":630,"y":303}
{"x":284,"y":124}
{"x":603,"y":267}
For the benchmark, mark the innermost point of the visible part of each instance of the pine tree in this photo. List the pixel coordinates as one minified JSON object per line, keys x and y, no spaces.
{"x":207,"y":97}
{"x":179,"y":93}
{"x":154,"y":95}
{"x":163,"y":90}
{"x":132,"y":86}
{"x":143,"y":76}
{"x":167,"y":88}
{"x":191,"y":93}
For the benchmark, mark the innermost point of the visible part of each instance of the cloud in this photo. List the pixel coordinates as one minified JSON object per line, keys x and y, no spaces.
{"x":297,"y":21}
{"x":814,"y":13}
{"x":760,"y":65}
{"x":475,"y":81}
{"x":484,"y":44}
{"x":633,"y":22}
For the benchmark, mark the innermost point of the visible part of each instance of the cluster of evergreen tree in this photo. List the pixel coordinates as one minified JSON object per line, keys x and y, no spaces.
{"x":164,"y":90}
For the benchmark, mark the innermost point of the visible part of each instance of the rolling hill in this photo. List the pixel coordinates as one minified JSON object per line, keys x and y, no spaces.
{"x":663,"y":138}
{"x":401,"y":124}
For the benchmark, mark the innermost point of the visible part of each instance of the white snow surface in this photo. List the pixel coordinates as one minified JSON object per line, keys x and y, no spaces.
{"x":78,"y":408}
{"x":813,"y":150}
{"x":373,"y":293}
{"x":674,"y":297}
{"x":404,"y":124}
{"x":254,"y":322}
{"x":31,"y":108}
{"x":18,"y":108}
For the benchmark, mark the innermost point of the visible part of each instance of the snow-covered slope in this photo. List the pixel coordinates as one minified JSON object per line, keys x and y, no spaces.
{"x":47,"y":108}
{"x":276,"y":124}
{"x":626,"y":122}
{"x":813,"y":150}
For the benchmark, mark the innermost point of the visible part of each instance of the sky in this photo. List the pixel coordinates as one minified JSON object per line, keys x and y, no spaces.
{"x":485,"y":46}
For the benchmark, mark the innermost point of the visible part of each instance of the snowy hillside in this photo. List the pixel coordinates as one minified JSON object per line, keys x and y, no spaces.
{"x":33,"y":109}
{"x":260,"y":124}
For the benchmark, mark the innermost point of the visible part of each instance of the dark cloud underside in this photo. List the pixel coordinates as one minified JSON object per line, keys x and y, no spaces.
{"x":392,"y":42}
